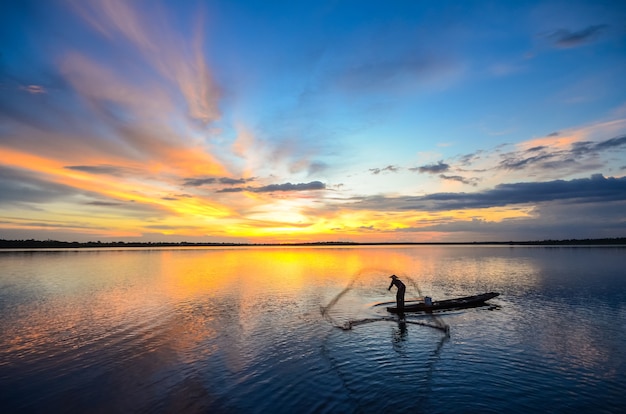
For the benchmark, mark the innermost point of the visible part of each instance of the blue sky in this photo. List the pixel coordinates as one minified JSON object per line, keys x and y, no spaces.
{"x":288,"y":121}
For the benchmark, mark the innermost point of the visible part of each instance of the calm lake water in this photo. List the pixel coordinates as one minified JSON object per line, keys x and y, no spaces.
{"x":259,"y":330}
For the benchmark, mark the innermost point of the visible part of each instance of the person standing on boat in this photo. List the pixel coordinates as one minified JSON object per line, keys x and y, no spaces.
{"x":399,"y":294}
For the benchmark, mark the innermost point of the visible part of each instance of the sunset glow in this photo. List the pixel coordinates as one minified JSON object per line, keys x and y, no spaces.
{"x":254,"y":122}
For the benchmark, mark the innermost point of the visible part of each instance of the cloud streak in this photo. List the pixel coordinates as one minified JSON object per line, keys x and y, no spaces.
{"x":564,"y":38}
{"x":550,"y":158}
{"x":198,"y":182}
{"x":103,"y":169}
{"x":18,"y":187}
{"x":463,"y":180}
{"x":153,"y":36}
{"x":584,"y":190}
{"x":273,"y":188}
{"x":389,"y":168}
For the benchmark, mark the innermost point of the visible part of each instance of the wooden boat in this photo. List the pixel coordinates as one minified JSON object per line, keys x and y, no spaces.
{"x":458,"y":303}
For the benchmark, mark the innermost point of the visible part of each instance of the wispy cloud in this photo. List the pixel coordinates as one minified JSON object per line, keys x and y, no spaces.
{"x":34,"y":89}
{"x":389,"y":168}
{"x":548,"y":157}
{"x":587,"y":147}
{"x":154,"y":37}
{"x":134,"y":117}
{"x":564,"y":38}
{"x":416,"y":69}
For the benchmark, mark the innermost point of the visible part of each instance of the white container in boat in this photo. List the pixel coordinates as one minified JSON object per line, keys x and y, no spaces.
{"x":428,"y":301}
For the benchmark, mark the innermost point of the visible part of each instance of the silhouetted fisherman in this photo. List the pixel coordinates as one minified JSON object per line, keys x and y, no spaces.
{"x":399,"y":294}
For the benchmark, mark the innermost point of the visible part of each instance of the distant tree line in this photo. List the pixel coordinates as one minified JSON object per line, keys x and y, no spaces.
{"x":606,"y":241}
{"x":56,"y":244}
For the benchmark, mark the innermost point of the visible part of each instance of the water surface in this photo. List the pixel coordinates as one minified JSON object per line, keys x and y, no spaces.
{"x":254,"y":330}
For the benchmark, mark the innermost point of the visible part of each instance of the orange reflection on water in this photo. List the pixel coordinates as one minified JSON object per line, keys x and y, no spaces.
{"x":85,"y":305}
{"x":246,"y":286}
{"x":175,"y":303}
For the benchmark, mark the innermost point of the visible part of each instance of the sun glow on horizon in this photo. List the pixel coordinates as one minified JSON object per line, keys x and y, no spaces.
{"x":191,"y":121}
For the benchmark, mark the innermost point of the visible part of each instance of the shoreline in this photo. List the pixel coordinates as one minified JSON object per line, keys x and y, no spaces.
{"x":56,"y":244}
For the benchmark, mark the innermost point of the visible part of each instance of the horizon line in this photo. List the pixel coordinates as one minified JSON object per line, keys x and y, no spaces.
{"x":50,"y":243}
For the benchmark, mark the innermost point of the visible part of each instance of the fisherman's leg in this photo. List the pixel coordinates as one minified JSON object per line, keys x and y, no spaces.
{"x":400,"y":300}
{"x":400,"y":304}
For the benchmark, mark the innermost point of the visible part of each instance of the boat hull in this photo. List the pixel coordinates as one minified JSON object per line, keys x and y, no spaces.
{"x":458,"y":303}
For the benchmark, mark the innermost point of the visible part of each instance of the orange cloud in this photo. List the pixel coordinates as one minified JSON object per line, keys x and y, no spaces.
{"x":564,"y":139}
{"x":135,"y":190}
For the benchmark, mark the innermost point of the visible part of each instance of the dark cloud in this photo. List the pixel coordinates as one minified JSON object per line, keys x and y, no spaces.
{"x":287,"y":187}
{"x":610,"y":143}
{"x":232,"y":190}
{"x":563,"y":38}
{"x":389,"y":168}
{"x":594,"y":189}
{"x":468,"y":159}
{"x":104,"y":203}
{"x":234,"y":181}
{"x":313,"y":185}
{"x":198,"y":182}
{"x":513,"y":163}
{"x":104,"y":169}
{"x":588,"y":147}
{"x":440,"y":167}
{"x":463,"y":180}
{"x":176,"y":197}
{"x":557,"y":220}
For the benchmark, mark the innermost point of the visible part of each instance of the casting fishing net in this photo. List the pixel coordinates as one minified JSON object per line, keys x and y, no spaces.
{"x":434,"y":321}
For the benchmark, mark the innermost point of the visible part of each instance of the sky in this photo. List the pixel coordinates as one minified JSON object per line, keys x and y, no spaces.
{"x":312,"y":121}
